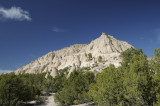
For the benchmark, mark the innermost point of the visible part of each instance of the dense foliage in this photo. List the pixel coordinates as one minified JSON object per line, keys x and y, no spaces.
{"x":76,"y":88}
{"x":56,"y":84}
{"x":136,"y":82}
{"x":15,"y":89}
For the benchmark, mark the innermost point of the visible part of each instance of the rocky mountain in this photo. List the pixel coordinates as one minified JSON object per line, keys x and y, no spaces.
{"x":96,"y":55}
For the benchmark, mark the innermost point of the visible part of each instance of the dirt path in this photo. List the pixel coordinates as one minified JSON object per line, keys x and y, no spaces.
{"x":50,"y":101}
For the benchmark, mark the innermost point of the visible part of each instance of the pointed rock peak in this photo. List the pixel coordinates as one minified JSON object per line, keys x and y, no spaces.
{"x":103,"y":33}
{"x":104,"y":36}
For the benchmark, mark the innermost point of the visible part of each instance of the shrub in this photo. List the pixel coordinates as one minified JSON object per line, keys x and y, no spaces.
{"x":99,"y":58}
{"x":76,"y":88}
{"x":90,"y":56}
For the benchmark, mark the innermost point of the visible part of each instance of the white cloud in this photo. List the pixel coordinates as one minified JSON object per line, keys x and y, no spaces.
{"x":5,"y":71}
{"x":55,"y":29}
{"x":15,"y":13}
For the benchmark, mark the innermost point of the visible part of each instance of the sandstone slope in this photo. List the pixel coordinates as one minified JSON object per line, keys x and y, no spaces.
{"x":97,"y":55}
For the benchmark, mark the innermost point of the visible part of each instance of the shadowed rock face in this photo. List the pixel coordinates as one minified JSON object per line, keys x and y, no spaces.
{"x":105,"y":46}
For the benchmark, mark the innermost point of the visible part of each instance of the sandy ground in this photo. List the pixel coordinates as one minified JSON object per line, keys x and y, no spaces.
{"x":85,"y":104}
{"x":51,"y":102}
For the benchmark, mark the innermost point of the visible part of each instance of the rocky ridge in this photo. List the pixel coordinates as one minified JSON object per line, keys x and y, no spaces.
{"x":97,"y":55}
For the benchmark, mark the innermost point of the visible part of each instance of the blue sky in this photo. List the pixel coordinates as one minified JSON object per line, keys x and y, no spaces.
{"x":32,"y":28}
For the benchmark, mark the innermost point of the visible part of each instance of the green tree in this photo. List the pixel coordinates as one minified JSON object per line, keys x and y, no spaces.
{"x":130,"y":84}
{"x":93,"y":92}
{"x":128,"y":54}
{"x":76,"y":88}
{"x":100,"y":58}
{"x":137,"y":78}
{"x":57,"y":83}
{"x":12,"y":90}
{"x":90,"y":56}
{"x":107,"y":90}
{"x":155,"y":69}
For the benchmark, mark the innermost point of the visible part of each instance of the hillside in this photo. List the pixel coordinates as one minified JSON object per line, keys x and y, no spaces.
{"x":98,"y":54}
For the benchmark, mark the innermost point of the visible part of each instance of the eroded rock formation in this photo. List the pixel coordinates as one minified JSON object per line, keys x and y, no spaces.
{"x":77,"y":56}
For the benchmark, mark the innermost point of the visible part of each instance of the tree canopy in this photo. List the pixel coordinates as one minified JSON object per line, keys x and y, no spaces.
{"x":136,"y":82}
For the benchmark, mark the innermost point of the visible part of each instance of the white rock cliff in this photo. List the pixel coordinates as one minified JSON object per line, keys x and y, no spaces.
{"x":103,"y":51}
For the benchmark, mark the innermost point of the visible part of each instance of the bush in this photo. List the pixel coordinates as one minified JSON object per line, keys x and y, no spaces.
{"x":136,"y":82}
{"x":13,"y":91}
{"x":99,"y":58}
{"x":130,"y":84}
{"x":90,"y":56}
{"x":76,"y":88}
